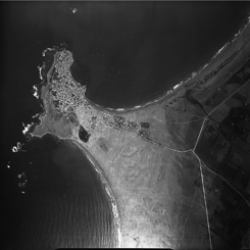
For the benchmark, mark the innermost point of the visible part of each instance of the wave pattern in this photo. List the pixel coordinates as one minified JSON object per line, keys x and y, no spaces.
{"x":68,"y":213}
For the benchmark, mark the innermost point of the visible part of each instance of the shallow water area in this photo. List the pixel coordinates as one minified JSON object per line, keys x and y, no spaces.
{"x":64,"y":204}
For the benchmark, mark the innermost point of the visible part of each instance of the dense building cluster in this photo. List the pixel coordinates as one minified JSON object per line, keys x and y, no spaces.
{"x":64,"y":91}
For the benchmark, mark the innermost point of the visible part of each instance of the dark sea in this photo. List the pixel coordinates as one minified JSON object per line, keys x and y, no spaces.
{"x":63,"y":203}
{"x":128,"y":53}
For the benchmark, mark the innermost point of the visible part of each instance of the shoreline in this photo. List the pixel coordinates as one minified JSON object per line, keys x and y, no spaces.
{"x":101,"y":165}
{"x":195,"y":77}
{"x":105,"y":183}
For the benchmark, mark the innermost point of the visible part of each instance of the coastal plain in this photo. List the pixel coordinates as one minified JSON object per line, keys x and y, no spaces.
{"x":155,"y":159}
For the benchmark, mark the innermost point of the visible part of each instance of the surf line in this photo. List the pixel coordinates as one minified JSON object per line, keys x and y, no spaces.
{"x":107,"y":189}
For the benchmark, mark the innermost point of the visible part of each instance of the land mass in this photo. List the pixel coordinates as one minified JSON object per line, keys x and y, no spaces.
{"x":154,"y":158}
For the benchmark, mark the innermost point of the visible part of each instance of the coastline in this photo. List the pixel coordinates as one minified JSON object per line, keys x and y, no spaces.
{"x":88,"y":109}
{"x":196,"y":79}
{"x":105,"y":182}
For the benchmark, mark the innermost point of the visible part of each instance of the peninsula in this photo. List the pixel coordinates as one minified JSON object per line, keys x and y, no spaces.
{"x":161,"y":161}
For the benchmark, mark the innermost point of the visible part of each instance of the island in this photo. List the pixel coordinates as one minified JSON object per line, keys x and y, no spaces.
{"x":176,"y":168}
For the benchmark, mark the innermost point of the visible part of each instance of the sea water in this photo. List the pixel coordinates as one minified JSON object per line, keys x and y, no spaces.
{"x":64,"y":202}
{"x":130,"y":53}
